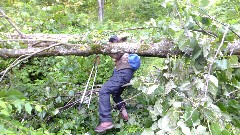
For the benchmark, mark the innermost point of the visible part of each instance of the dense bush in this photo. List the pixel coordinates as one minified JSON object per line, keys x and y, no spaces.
{"x":196,"y":94}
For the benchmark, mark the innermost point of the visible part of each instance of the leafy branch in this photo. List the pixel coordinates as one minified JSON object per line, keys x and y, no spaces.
{"x":211,"y":64}
{"x":214,"y":19}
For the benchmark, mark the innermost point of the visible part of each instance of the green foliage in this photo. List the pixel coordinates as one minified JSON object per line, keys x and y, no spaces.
{"x":196,"y":94}
{"x":133,"y":10}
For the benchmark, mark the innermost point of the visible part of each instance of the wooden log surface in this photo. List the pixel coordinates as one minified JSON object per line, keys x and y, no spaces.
{"x":68,"y":44}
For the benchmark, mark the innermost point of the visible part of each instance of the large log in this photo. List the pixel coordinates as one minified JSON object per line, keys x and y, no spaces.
{"x":39,"y":42}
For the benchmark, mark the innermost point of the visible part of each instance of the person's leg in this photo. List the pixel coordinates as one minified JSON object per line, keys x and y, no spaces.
{"x":104,"y":104}
{"x":118,"y":99}
{"x":112,"y":86}
{"x":120,"y":104}
{"x":125,"y":77}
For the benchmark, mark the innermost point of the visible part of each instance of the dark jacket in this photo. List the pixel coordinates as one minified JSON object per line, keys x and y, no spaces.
{"x":121,"y":61}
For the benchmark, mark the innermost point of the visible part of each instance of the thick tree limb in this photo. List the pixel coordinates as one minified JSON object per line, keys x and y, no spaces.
{"x":41,"y":41}
{"x":160,"y":49}
{"x":37,"y":42}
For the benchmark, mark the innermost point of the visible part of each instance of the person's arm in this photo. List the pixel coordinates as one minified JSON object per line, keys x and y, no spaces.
{"x":116,"y":56}
{"x":117,"y":39}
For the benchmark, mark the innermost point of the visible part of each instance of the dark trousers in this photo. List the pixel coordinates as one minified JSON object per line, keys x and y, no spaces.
{"x":113,"y":87}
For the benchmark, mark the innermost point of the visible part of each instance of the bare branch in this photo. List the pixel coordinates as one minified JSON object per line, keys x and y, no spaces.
{"x":11,"y":22}
{"x":204,"y":31}
{"x":16,"y":62}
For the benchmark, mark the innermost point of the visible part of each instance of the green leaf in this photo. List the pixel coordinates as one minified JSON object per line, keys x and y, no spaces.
{"x":206,"y":21}
{"x":38,"y":108}
{"x":174,"y":27}
{"x":71,"y":93}
{"x":215,"y":129}
{"x":214,"y":80}
{"x":163,"y":123}
{"x":189,"y":23}
{"x":148,"y":131}
{"x":184,"y":128}
{"x":201,"y":130}
{"x":2,"y":128}
{"x":222,"y":64}
{"x":212,"y":111}
{"x":169,"y":86}
{"x":58,"y":99}
{"x":190,"y":117}
{"x":18,"y":105}
{"x":14,"y":93}
{"x":213,"y":85}
{"x":3,"y":104}
{"x":156,"y":110}
{"x":28,"y":108}
{"x":225,"y":132}
{"x":2,"y":93}
{"x":185,"y":86}
{"x":222,"y":107}
{"x":183,"y":43}
{"x":229,"y":73}
{"x":196,"y":52}
{"x":4,"y":112}
{"x":205,"y":47}
{"x":233,"y":60}
{"x":151,"y":89}
{"x":56,"y":111}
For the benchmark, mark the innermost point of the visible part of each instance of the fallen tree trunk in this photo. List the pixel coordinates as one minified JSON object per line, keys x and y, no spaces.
{"x":66,"y":44}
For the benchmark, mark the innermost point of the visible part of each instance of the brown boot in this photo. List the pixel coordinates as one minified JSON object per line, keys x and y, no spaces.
{"x":124,"y":114}
{"x":103,"y":126}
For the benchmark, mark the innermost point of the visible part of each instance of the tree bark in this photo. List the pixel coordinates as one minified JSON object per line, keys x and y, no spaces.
{"x":100,"y":10}
{"x":43,"y":45}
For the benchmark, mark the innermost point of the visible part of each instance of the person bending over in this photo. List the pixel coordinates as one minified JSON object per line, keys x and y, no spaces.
{"x":123,"y":73}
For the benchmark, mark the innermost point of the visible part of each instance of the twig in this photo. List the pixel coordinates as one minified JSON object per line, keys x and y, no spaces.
{"x":85,"y":90}
{"x":210,"y":66}
{"x":69,"y":105}
{"x":212,"y":18}
{"x":10,"y":21}
{"x":233,"y":48}
{"x":188,"y":117}
{"x":228,"y":94}
{"x":41,"y":40}
{"x":134,"y":28}
{"x":196,"y":107}
{"x":96,"y":90}
{"x":204,"y":31}
{"x":185,"y":97}
{"x":95,"y":76}
{"x":129,"y":98}
{"x":16,"y":62}
{"x":209,"y":127}
{"x":7,"y":29}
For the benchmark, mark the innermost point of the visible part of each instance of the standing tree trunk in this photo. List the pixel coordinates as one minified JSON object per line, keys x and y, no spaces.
{"x":100,"y":10}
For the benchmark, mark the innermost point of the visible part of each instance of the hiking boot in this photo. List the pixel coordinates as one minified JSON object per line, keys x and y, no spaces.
{"x":103,"y":126}
{"x":124,"y":114}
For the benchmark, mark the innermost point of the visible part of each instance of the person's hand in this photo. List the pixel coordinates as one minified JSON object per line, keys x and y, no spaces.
{"x":115,"y":62}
